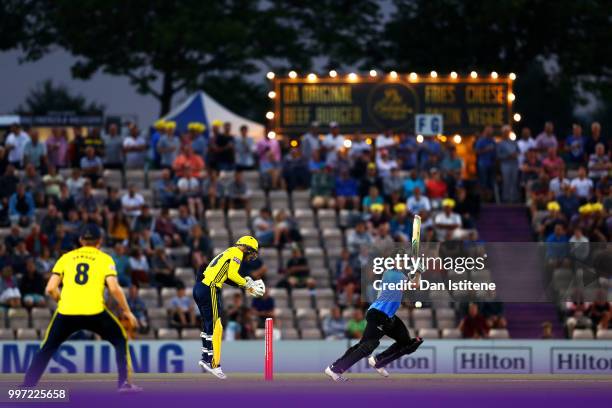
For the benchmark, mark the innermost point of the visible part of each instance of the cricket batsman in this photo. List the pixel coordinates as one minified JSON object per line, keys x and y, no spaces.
{"x":207,"y":294}
{"x":382,"y":321}
{"x":84,"y":273}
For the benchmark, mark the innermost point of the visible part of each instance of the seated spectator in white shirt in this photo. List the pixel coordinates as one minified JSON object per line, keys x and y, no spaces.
{"x":447,"y":221}
{"x":334,"y":325}
{"x":385,"y":164}
{"x":132,"y":202}
{"x":582,"y":184}
{"x":333,"y":142}
{"x":182,"y":308}
{"x":418,"y":203}
{"x":386,"y":141}
{"x":556,"y":184}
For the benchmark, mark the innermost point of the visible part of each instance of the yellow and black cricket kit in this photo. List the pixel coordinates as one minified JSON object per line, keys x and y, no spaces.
{"x":207,"y":294}
{"x":81,"y":307}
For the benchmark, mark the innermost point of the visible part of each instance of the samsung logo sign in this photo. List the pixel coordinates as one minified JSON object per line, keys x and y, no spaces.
{"x":586,"y":361}
{"x":507,"y":360}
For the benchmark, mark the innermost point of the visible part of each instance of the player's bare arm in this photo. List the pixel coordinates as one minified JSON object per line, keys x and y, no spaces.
{"x":119,"y":296}
{"x":52,"y":288}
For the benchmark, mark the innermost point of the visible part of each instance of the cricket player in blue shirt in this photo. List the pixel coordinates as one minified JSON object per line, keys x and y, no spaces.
{"x":380,"y":321}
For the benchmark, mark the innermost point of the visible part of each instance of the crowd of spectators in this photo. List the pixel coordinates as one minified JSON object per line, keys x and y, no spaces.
{"x":52,"y":187}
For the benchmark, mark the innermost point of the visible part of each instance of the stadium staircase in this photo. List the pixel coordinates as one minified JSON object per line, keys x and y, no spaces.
{"x":510,"y":223}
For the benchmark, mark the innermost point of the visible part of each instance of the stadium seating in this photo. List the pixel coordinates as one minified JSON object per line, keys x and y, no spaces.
{"x":583,"y":334}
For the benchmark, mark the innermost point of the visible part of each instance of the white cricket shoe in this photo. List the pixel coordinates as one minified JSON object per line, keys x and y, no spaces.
{"x":380,"y":370}
{"x":334,"y":376}
{"x":217,"y":371}
{"x":128,"y":388}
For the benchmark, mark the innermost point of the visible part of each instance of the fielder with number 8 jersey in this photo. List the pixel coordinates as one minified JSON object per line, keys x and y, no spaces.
{"x":223,"y":268}
{"x":84,"y":273}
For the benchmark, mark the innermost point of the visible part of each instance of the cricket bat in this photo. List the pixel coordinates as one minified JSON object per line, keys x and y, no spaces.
{"x":416,"y":240}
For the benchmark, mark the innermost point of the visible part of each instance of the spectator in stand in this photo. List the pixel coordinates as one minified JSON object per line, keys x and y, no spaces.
{"x":112,"y":203}
{"x":264,"y":308}
{"x":132,"y":202}
{"x":10,"y":296}
{"x":162,"y":269}
{"x":552,"y":163}
{"x":32,"y":286}
{"x":358,"y":237}
{"x":165,"y":190}
{"x":595,"y":139}
{"x":373,"y":197}
{"x":15,"y":144}
{"x":53,"y":182}
{"x":134,"y":149}
{"x":332,"y":143}
{"x":334,"y":325}
{"x":553,"y":217}
{"x":412,"y":182}
{"x":76,"y":148}
{"x":310,"y":141}
{"x":75,"y":182}
{"x":525,"y":144}
{"x":200,"y":247}
{"x":356,"y":325}
{"x":21,"y":206}
{"x":474,"y":325}
{"x":213,"y":190}
{"x":86,"y":202}
{"x":298,"y":272}
{"x":34,"y":185}
{"x":264,"y":227}
{"x":485,"y":148}
{"x":393,"y":184}
{"x":447,"y":221}
{"x":322,"y":186}
{"x":118,"y":228}
{"x":190,"y":193}
{"x":145,"y":221}
{"x":407,"y":151}
{"x":547,"y":140}
{"x":577,"y":317}
{"x":92,"y":167}
{"x":451,"y":166}
{"x":113,"y":148}
{"x":467,"y":205}
{"x":579,"y":245}
{"x":9,"y":181}
{"x":493,"y":312}
{"x":168,"y":146}
{"x":347,"y":282}
{"x":376,"y":216}
{"x":507,"y":154}
{"x":139,"y":267}
{"x":582,"y":185}
{"x":346,"y":192}
{"x":269,"y":154}
{"x":568,"y":201}
{"x":557,"y":250}
{"x":401,"y":223}
{"x":45,"y":262}
{"x":164,"y":226}
{"x":600,"y":311}
{"x":556,"y":184}
{"x":13,"y":238}
{"x":35,"y":152}
{"x":238,"y":193}
{"x":182,"y":308}
{"x":199,"y":142}
{"x":436,"y":187}
{"x":370,"y":179}
{"x":221,"y":150}
{"x":50,"y":221}
{"x":386,"y":141}
{"x":57,"y":148}
{"x":138,"y":308}
{"x":599,"y":163}
{"x":187,"y":164}
{"x":430,"y":153}
{"x":540,"y":193}
{"x":385,"y":164}
{"x":574,"y":149}
{"x":94,"y":139}
{"x":184,"y":222}
{"x":418,"y":203}
{"x":295,"y":171}
{"x":122,"y":264}
{"x":36,"y":240}
{"x":235,"y":313}
{"x":245,"y":150}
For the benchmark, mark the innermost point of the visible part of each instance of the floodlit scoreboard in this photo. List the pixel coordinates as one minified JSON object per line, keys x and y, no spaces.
{"x":375,"y":102}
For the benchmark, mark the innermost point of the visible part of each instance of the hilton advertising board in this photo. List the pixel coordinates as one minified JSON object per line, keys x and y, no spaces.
{"x":371,"y":105}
